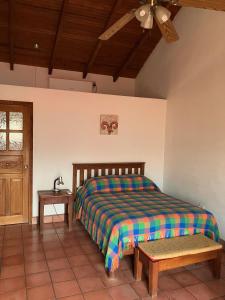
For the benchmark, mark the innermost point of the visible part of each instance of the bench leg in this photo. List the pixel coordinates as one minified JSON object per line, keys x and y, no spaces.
{"x":217,"y":265}
{"x":138,"y":265}
{"x":153,"y":277}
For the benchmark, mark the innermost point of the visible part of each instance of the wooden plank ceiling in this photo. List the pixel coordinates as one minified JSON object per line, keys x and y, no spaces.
{"x":67,"y":34}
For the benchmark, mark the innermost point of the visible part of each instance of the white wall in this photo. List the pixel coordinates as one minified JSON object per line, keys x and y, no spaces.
{"x":38,"y":77}
{"x":191,"y":75}
{"x":66,"y":130}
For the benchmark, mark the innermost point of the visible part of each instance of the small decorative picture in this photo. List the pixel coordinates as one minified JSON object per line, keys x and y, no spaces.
{"x":109,"y":124}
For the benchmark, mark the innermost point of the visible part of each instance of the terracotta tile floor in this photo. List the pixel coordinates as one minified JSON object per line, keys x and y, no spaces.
{"x":67,"y":265}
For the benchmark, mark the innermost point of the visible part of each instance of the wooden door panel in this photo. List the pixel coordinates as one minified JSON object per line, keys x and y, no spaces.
{"x":16,"y":196}
{"x":11,"y":164}
{"x":3,"y":196}
{"x":15,"y":162}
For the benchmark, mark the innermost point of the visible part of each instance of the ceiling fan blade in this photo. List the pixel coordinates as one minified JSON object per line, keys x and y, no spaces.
{"x":118,"y":25}
{"x":168,"y":31}
{"x":207,"y":4}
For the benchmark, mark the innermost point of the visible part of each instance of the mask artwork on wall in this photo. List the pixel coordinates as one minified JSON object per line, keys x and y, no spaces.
{"x":109,"y":124}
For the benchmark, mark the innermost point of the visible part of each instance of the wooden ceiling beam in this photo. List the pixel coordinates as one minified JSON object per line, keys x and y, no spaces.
{"x":11,"y":34}
{"x":131,"y":54}
{"x":99,"y":42}
{"x":57,"y":37}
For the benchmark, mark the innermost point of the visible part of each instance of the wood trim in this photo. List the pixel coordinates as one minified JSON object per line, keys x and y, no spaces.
{"x":11,"y":33}
{"x":29,"y":105}
{"x":57,"y":36}
{"x":99,"y":43}
{"x":131,"y":55}
{"x":30,"y":208}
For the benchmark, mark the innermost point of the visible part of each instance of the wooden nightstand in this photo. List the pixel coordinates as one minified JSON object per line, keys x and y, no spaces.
{"x":50,"y":197}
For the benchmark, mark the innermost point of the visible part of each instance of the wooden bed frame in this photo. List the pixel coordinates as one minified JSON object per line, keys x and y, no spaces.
{"x":84,"y":171}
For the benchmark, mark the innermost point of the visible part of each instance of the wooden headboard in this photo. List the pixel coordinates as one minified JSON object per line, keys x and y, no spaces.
{"x":84,"y":171}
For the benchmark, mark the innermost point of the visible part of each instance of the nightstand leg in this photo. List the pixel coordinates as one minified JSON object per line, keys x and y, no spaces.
{"x":41,"y":216}
{"x":66,"y":215}
{"x":70,"y":215}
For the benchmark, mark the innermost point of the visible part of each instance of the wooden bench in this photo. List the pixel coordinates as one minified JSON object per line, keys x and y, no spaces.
{"x":165,"y":254}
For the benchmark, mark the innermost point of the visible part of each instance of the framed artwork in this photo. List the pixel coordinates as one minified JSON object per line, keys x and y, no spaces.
{"x":109,"y":124}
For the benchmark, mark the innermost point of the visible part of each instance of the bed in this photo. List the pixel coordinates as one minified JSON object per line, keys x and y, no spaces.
{"x":120,"y":207}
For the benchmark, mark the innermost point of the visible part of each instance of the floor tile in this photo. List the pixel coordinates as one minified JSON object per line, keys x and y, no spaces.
{"x":66,"y":288}
{"x":96,"y":258}
{"x":141,"y":288}
{"x":123,"y":292}
{"x":89,"y":284}
{"x":35,"y":256}
{"x":51,"y":245}
{"x":217,"y":286}
{"x":73,"y":255}
{"x":128,"y":275}
{"x":99,"y":267}
{"x":78,"y":260}
{"x":62,"y":275}
{"x":17,"y":259}
{"x":201,"y":292}
{"x":44,"y":292}
{"x":12,"y":250}
{"x":13,"y":242}
{"x":38,"y":279}
{"x":32,"y":248}
{"x":84,"y":271}
{"x":11,"y":284}
{"x":36,"y":267}
{"x":12,"y":271}
{"x":203,"y":274}
{"x":176,"y":270}
{"x":185,"y":278}
{"x":57,"y":264}
{"x":74,"y":297}
{"x":98,"y":295}
{"x":15,"y":295}
{"x":167,"y":283}
{"x":76,"y":250}
{"x":53,"y":254}
{"x":180,"y":294}
{"x":89,"y":249}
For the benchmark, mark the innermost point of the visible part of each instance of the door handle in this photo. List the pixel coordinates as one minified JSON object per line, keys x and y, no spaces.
{"x":26,"y":167}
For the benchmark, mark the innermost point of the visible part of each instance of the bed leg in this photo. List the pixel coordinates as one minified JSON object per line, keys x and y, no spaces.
{"x":111,"y":275}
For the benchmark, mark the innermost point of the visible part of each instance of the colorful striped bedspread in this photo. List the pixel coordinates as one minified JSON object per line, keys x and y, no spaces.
{"x":117,"y":221}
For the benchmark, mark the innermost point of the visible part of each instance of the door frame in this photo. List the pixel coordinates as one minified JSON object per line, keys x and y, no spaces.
{"x":28,"y":105}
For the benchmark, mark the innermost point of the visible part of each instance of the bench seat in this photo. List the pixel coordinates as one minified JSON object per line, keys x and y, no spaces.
{"x":165,"y":254}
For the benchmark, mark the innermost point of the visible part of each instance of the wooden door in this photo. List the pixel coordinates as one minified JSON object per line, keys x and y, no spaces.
{"x":15,"y":162}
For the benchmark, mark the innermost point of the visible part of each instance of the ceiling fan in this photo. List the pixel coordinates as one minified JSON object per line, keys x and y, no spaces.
{"x":155,"y":10}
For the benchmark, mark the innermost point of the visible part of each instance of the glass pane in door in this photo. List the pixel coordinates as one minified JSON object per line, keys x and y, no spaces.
{"x":16,"y":121}
{"x":2,"y":120}
{"x":2,"y":141}
{"x":15,"y":141}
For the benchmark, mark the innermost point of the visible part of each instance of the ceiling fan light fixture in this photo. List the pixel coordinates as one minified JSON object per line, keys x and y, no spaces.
{"x":162,"y":14}
{"x":148,"y":22}
{"x":143,"y":12}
